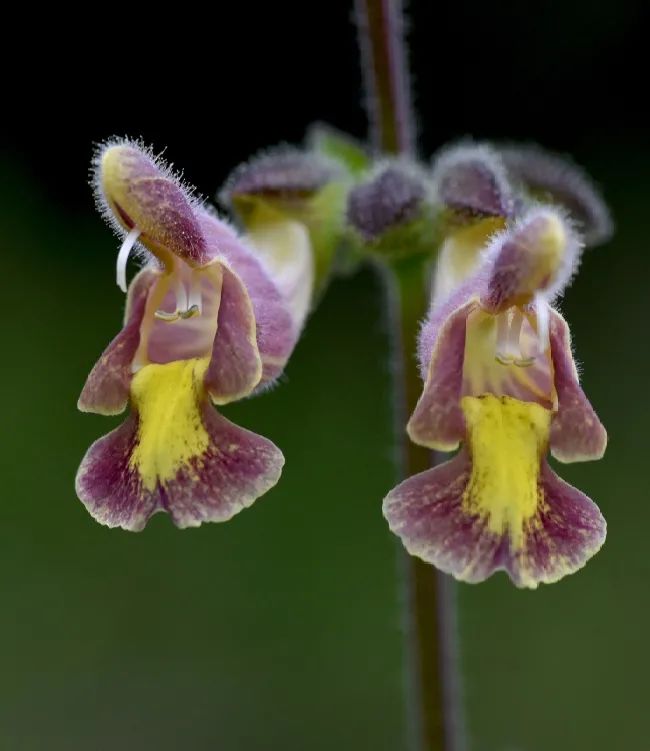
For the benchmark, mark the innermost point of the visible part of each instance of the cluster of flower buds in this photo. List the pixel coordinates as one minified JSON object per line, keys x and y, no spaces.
{"x":214,"y":314}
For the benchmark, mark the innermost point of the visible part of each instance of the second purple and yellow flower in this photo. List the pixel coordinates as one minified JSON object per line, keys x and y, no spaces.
{"x":500,"y":380}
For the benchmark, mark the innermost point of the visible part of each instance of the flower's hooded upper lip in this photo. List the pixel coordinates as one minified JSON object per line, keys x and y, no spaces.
{"x":185,"y":238}
{"x":135,"y":189}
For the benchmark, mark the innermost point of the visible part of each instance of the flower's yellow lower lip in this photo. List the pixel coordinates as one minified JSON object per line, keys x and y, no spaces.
{"x":507,"y":439}
{"x":171,"y":431}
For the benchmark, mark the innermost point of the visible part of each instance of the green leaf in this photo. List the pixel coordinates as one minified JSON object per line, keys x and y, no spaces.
{"x":339,"y":146}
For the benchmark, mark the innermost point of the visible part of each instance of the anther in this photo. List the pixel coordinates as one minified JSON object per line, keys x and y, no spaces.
{"x":185,"y":308}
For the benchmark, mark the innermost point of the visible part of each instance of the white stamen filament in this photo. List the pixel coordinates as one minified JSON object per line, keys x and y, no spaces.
{"x":516,"y":326}
{"x":123,"y":257}
{"x":508,"y":345}
{"x":195,"y":300}
{"x":503,"y":353}
{"x":543,"y":321}
{"x":514,"y":333}
{"x":181,"y":296}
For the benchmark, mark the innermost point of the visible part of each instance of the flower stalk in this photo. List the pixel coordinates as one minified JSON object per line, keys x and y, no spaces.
{"x":380,"y":24}
{"x":427,"y":598}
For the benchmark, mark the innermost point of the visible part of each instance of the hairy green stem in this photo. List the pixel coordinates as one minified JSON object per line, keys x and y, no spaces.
{"x":384,"y":66}
{"x":428,"y":597}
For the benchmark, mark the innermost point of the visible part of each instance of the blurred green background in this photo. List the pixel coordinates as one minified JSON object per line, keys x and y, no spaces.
{"x":280,"y":629}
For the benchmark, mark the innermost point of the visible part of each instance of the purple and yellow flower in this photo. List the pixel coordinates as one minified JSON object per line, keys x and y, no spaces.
{"x":205,"y":324}
{"x":500,"y":379}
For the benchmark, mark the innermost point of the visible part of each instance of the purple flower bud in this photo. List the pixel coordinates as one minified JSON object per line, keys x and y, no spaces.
{"x":393,"y":197}
{"x":286,"y":174}
{"x":471,"y":180}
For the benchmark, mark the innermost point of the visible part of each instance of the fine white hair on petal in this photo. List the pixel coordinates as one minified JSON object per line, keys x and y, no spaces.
{"x":574,"y":246}
{"x":274,"y":167}
{"x":571,"y":255}
{"x":102,"y":203}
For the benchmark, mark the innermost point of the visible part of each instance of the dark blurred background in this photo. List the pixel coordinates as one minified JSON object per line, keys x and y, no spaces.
{"x":280,"y":630}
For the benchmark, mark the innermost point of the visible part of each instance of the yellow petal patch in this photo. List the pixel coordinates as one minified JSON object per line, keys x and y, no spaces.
{"x":168,"y":401}
{"x":286,"y":250}
{"x":460,"y":253}
{"x":506,"y":440}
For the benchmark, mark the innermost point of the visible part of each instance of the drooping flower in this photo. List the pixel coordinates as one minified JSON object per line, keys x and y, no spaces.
{"x":478,"y":188}
{"x":205,"y":324}
{"x":472,"y":191}
{"x":289,"y":201}
{"x":500,"y":379}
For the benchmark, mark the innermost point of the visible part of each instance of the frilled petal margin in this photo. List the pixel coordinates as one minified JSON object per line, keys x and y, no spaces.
{"x":428,"y":512}
{"x":106,"y":391}
{"x":175,"y":453}
{"x":497,"y":504}
{"x":577,"y":434}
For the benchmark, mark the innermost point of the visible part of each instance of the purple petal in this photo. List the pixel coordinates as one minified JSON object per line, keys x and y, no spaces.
{"x":426,"y":513}
{"x":576,"y":432}
{"x":238,"y":467}
{"x":438,"y":421}
{"x":276,"y":333}
{"x":106,"y":391}
{"x":134,"y":189}
{"x":566,"y":532}
{"x":109,"y":487}
{"x":430,"y":514}
{"x":235,"y":367}
{"x":235,"y":469}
